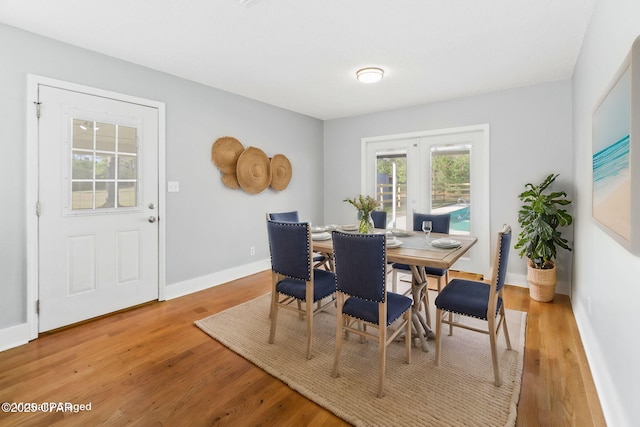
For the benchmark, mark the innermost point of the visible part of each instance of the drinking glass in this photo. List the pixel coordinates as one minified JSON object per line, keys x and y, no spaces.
{"x":426,"y":227}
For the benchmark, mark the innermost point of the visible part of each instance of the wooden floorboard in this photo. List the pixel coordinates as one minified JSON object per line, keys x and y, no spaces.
{"x":152,"y":366}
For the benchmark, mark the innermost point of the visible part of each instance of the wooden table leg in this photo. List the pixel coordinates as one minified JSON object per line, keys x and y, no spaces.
{"x":418,"y":287}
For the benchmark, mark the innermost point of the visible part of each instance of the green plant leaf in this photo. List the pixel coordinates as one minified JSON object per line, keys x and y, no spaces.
{"x":539,"y":217}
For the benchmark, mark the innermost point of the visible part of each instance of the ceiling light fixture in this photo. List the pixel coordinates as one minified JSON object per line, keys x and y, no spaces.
{"x":370,"y":74}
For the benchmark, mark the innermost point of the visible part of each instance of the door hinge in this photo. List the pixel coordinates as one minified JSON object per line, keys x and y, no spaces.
{"x":38,"y":104}
{"x":37,"y":306}
{"x":38,"y":209}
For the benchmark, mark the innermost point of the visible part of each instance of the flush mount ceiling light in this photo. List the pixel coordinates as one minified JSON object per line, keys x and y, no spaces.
{"x":370,"y":74}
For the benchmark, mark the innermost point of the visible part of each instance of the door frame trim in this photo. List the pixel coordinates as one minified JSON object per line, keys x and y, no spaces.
{"x":32,"y":188}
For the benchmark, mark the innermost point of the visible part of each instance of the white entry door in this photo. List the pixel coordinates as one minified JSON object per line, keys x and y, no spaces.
{"x":98,"y":204}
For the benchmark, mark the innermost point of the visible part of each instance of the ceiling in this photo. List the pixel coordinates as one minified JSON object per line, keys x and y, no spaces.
{"x":302,"y":55}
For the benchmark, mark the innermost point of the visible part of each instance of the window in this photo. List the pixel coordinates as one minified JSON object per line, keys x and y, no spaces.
{"x":104,"y":166}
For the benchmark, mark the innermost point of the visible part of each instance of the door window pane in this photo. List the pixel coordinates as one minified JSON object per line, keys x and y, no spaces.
{"x":451,"y":185}
{"x":81,"y":195}
{"x":83,"y":134}
{"x":391,"y":186}
{"x":127,"y":194}
{"x":127,"y":140}
{"x":105,"y":194}
{"x":105,"y":137}
{"x":82,"y":165}
{"x":104,"y":166}
{"x":127,"y":167}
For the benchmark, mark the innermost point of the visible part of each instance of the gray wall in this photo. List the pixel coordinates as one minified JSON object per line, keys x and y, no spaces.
{"x":209,"y":227}
{"x":531,"y":136}
{"x":606,"y":286}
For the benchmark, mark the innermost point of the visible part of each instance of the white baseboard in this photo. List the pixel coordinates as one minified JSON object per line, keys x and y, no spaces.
{"x":599,"y":369}
{"x":521,"y":280}
{"x":517,"y":280}
{"x":14,"y":336}
{"x":205,"y":282}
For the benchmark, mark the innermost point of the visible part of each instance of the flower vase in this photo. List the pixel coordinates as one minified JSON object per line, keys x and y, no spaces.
{"x":366,"y":225}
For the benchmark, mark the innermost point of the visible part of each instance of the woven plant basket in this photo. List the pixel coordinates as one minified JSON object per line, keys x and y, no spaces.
{"x":542,"y":283}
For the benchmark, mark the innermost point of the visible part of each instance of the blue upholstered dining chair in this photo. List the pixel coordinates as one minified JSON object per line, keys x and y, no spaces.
{"x":379,"y":219}
{"x":479,"y":300}
{"x":440,"y":224}
{"x":296,"y":285}
{"x":362,"y":297}
{"x":319,"y":260}
{"x":284,"y":216}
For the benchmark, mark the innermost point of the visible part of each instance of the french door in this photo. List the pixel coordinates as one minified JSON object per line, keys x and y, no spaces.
{"x":98,"y":196}
{"x":443,"y":171}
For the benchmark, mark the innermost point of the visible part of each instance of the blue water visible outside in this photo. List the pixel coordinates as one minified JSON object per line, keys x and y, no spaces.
{"x":610,"y":161}
{"x":460,"y":219}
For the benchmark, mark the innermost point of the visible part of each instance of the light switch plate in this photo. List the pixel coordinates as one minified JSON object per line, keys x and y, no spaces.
{"x":173,"y":186}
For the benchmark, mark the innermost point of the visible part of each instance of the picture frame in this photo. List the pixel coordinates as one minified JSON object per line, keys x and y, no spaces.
{"x":616,"y":155}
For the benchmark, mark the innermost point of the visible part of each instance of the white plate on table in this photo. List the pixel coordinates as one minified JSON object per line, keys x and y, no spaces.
{"x":400,"y":233}
{"x":350,"y":227}
{"x":446,"y":243}
{"x":320,"y":236}
{"x":319,"y":228}
{"x":393,"y":243}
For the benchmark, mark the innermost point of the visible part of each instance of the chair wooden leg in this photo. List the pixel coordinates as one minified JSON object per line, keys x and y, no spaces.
{"x":382,"y":355}
{"x":425,"y":301}
{"x":339,"y":323}
{"x":504,"y":327}
{"x":274,"y":316}
{"x":407,"y":334}
{"x":309,"y":304}
{"x":394,"y":281}
{"x":274,"y":279}
{"x":439,"y":314}
{"x":450,"y":323}
{"x":494,"y":351}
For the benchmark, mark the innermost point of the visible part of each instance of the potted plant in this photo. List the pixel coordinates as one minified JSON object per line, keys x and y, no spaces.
{"x":540,"y":217}
{"x":365,"y":205}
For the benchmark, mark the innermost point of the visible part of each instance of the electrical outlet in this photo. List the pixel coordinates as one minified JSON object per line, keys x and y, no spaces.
{"x":253,"y":250}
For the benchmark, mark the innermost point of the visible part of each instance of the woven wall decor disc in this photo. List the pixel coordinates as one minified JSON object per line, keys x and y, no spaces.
{"x":225,"y":152}
{"x":230,"y":180}
{"x":280,"y":172}
{"x":253,"y":170}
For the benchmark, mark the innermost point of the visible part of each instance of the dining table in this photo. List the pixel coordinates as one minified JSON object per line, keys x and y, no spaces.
{"x":418,"y":251}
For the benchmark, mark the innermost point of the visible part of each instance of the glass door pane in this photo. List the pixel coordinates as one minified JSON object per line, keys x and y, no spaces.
{"x":451,"y":185}
{"x":391,"y":186}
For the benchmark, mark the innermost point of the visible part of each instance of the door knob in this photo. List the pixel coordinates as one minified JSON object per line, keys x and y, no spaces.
{"x":152,"y":219}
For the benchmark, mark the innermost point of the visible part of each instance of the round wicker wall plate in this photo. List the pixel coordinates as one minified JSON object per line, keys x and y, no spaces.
{"x":253,"y":170}
{"x":225,"y":152}
{"x":230,"y":180}
{"x":280,"y":172}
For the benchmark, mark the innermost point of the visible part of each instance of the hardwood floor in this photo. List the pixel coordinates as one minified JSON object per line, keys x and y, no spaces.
{"x":152,"y":366}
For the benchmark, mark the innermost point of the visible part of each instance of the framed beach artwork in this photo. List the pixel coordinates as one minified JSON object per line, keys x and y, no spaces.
{"x":616,"y":155}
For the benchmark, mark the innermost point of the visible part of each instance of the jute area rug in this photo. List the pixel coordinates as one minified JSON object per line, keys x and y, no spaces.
{"x":458,"y":392}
